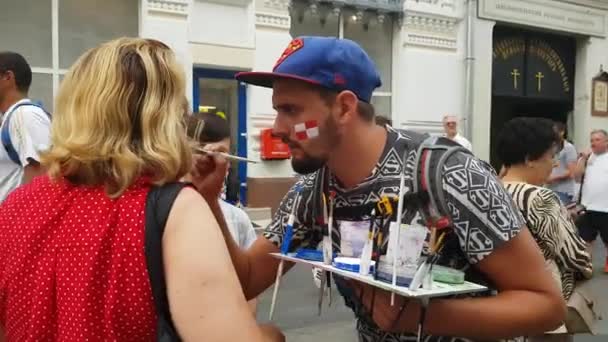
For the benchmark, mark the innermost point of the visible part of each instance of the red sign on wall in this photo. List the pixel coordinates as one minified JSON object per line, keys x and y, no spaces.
{"x":272,"y":147}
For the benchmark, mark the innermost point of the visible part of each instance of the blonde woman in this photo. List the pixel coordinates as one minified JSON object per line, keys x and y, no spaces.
{"x":72,"y":265}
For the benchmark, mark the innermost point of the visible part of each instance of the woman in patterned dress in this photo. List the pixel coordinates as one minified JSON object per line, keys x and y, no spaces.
{"x":527,"y":147}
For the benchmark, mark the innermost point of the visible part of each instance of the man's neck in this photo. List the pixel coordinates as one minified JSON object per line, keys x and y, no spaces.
{"x":357,"y":156}
{"x":452,"y":135}
{"x":9,"y":100}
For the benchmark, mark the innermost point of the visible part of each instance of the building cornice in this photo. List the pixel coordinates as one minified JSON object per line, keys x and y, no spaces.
{"x":433,"y":25}
{"x":169,"y":7}
{"x":276,"y":5}
{"x":599,"y":4}
{"x":273,"y":20}
{"x":554,"y":15}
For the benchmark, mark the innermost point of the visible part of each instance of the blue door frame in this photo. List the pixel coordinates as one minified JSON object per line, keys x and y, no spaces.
{"x":242,"y":118}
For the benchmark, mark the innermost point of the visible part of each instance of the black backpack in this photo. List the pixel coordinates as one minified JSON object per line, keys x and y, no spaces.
{"x":427,"y":196}
{"x":433,"y":152}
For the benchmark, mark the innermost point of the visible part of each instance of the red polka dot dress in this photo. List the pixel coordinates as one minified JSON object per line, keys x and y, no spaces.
{"x":72,"y":264}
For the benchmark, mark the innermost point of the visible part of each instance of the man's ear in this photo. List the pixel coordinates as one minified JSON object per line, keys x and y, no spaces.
{"x":8,"y":75}
{"x":348,"y":103}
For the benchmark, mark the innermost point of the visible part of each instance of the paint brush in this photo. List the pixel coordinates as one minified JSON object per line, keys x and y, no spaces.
{"x":227,"y":156}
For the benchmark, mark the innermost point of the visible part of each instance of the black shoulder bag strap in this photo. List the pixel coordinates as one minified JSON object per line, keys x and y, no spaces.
{"x":580,"y":191}
{"x":158,"y":206}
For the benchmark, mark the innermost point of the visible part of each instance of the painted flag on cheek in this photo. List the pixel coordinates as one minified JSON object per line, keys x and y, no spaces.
{"x":307,"y":130}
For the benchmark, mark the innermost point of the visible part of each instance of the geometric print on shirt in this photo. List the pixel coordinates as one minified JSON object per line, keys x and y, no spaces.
{"x":483,"y":213}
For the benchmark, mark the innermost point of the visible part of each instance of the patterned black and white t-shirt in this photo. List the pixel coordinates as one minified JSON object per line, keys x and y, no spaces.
{"x":482,"y":211}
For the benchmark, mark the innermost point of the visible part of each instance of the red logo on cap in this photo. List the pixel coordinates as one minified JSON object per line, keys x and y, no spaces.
{"x":294,"y":46}
{"x":339,"y":80}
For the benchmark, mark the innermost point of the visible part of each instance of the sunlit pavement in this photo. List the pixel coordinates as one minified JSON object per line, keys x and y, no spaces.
{"x":296,"y":311}
{"x":599,"y":289}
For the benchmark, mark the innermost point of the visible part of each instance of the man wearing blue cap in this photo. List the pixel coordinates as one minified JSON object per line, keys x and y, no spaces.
{"x":322,"y":88}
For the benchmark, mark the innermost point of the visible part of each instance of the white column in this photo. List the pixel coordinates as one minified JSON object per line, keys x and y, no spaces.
{"x":272,"y":37}
{"x":590,"y":55}
{"x":428,"y":65}
{"x":167,"y":21}
{"x":482,"y":99}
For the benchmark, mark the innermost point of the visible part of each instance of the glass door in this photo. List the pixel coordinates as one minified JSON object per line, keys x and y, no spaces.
{"x":218,"y":91}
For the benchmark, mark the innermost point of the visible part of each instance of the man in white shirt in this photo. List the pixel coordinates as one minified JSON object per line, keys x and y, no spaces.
{"x":25,"y":126}
{"x":450,"y":127}
{"x":561,"y":180}
{"x":593,"y":165}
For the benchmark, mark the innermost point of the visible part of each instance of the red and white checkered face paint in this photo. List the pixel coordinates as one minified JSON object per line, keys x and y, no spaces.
{"x":307,"y":130}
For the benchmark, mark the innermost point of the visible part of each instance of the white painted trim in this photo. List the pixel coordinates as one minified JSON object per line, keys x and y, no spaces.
{"x":222,"y":45}
{"x":432,"y":127}
{"x":341,"y":25}
{"x":238,"y":3}
{"x":55,"y":44}
{"x":36,"y":70}
{"x":547,"y":14}
{"x":276,"y":5}
{"x":599,"y":4}
{"x":274,"y":20}
{"x":140,"y":16}
{"x":382,"y":93}
{"x":431,"y":41}
{"x":395,"y":64}
{"x":168,"y":7}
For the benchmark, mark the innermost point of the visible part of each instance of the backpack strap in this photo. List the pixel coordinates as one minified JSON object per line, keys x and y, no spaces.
{"x":158,"y":206}
{"x":5,"y":135}
{"x":432,"y":155}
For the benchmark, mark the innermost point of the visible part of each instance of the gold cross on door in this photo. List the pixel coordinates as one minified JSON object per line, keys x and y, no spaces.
{"x":539,"y":76}
{"x":515,"y":73}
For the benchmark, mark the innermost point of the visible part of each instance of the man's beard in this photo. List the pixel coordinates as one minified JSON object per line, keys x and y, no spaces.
{"x":309,"y":164}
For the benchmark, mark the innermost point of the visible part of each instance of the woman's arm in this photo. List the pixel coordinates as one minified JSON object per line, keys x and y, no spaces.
{"x":205,"y":297}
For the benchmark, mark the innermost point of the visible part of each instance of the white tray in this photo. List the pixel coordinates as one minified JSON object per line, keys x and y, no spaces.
{"x":438,"y":289}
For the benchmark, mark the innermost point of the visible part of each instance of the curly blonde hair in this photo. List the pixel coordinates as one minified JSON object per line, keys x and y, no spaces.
{"x":118,"y":116}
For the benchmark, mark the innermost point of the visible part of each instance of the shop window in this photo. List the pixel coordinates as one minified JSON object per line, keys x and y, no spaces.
{"x":372,"y":31}
{"x":306,"y":23}
{"x":26,"y":27}
{"x":42,"y":89}
{"x":86,"y":24}
{"x":377,"y":40}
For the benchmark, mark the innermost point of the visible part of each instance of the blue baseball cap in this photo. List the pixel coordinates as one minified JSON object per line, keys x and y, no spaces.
{"x":332,"y":63}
